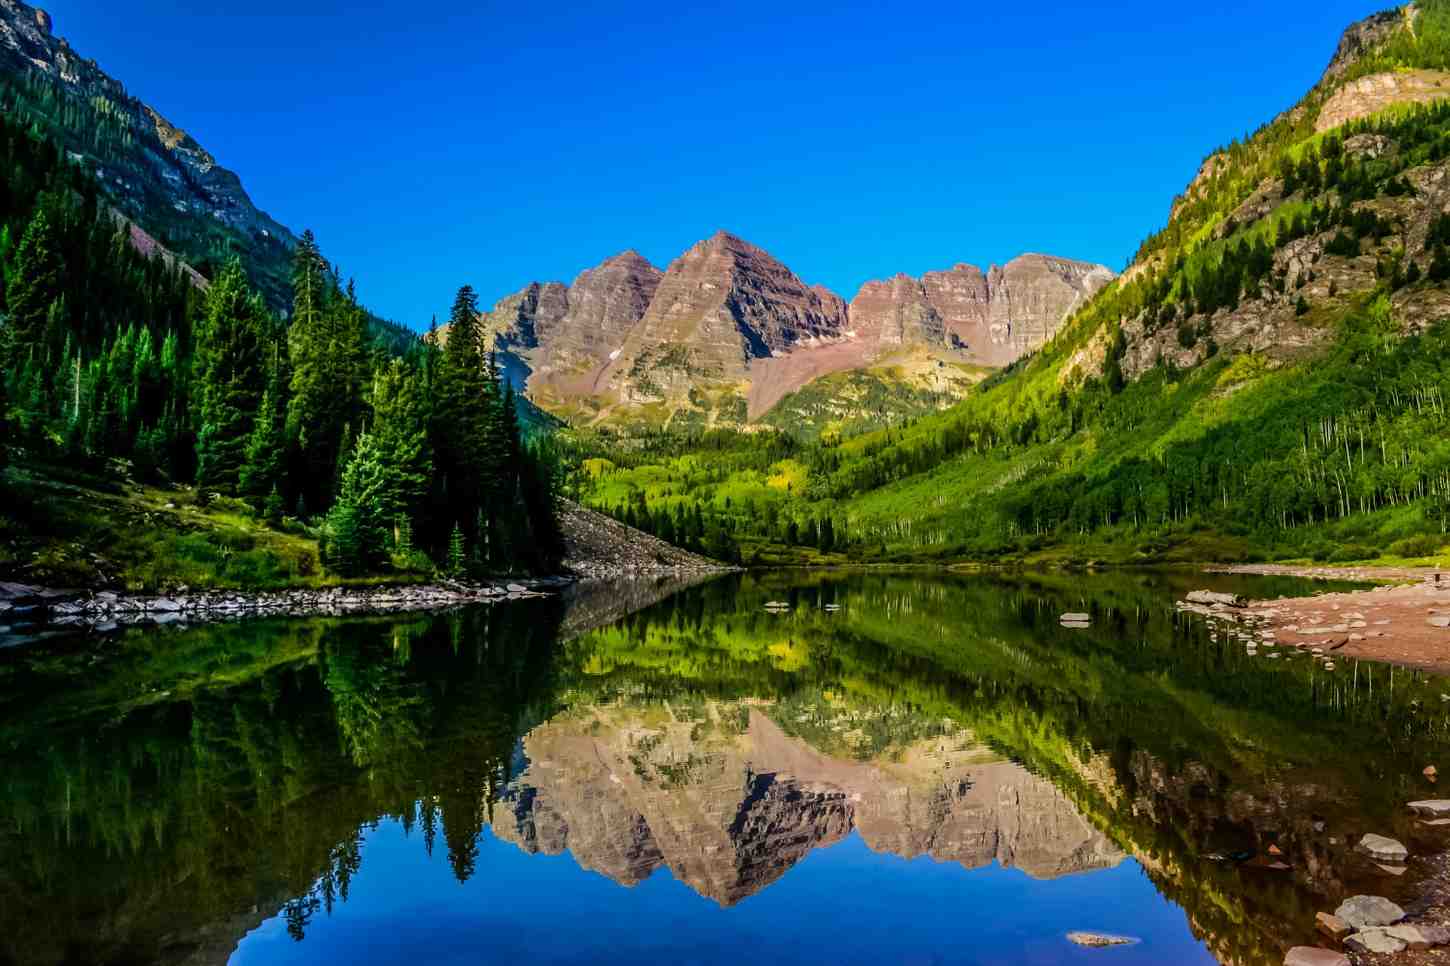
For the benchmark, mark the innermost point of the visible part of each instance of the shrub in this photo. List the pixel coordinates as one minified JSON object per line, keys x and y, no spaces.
{"x":1421,"y":546}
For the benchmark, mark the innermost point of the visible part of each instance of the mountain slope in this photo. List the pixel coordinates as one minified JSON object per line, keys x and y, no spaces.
{"x":1270,"y":367}
{"x":155,"y":173}
{"x":1268,"y":377}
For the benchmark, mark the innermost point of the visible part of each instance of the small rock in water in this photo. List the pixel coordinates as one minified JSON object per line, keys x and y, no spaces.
{"x":1332,"y":926}
{"x":1315,"y":956}
{"x":1419,"y":937}
{"x":1433,"y":808}
{"x":1431,"y":773}
{"x":1383,"y":848}
{"x":1364,"y":911}
{"x":1213,"y":597}
{"x":1099,"y":939}
{"x":1375,"y":941}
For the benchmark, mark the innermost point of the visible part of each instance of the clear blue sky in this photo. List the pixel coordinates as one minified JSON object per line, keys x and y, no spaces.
{"x":434,"y":143}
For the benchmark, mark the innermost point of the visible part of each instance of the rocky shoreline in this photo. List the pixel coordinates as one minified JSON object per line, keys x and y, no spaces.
{"x":1403,"y":620}
{"x":25,"y":609}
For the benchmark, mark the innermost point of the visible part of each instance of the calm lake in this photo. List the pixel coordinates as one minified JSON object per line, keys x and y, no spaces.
{"x":900,"y":768}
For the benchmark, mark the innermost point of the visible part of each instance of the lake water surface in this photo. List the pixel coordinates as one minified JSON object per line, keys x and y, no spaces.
{"x":901,"y":768}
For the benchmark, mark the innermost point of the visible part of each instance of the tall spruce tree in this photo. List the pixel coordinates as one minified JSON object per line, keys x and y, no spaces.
{"x":261,"y":473}
{"x":328,"y":362}
{"x":460,"y":420}
{"x":33,"y":288}
{"x":229,"y":377}
{"x":400,"y":434}
{"x":356,"y":525}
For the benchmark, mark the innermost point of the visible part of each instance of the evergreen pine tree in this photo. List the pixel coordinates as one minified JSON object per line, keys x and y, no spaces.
{"x":400,"y":434}
{"x":229,"y":377}
{"x":33,"y":286}
{"x":356,"y":526}
{"x":328,"y":361}
{"x":261,"y":470}
{"x":274,"y":506}
{"x":457,"y":553}
{"x":461,"y":416}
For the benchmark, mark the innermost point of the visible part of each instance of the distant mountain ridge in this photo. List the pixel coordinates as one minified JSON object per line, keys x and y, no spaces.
{"x":727,"y":330}
{"x":156,"y":174}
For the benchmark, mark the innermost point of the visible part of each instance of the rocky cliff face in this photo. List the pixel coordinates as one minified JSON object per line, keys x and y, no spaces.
{"x":720,"y":305}
{"x":161,"y":177}
{"x":1372,"y":94}
{"x":605,"y":304}
{"x":993,"y":319}
{"x":729,"y":330}
{"x":554,"y":339}
{"x":729,"y":811}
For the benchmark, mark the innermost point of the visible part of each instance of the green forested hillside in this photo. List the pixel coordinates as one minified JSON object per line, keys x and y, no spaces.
{"x":1266,"y":379}
{"x":120,"y":372}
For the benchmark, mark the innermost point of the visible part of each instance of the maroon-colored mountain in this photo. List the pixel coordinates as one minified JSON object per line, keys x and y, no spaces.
{"x":720,"y":305}
{"x":728,"y":330}
{"x":994,"y":318}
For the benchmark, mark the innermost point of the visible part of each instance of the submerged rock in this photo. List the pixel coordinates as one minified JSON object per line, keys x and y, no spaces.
{"x":1315,"y":956}
{"x":1364,"y":911}
{"x":1384,"y":848}
{"x":1375,"y":941}
{"x":1212,"y":597}
{"x":1419,"y":937}
{"x":1431,"y":808}
{"x":1100,"y":939}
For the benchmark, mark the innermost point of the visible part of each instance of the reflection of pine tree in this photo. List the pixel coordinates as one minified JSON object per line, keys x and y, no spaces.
{"x":298,"y":913}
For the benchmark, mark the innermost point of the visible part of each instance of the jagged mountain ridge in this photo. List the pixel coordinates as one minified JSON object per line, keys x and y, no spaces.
{"x":728,"y":330}
{"x":155,"y":174}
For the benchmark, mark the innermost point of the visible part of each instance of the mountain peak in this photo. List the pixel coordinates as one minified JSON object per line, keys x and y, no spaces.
{"x":1363,"y":36}
{"x":629,"y":258}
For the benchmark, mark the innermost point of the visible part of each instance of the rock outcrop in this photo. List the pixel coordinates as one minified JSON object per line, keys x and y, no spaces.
{"x":993,"y":318}
{"x":1372,"y":94}
{"x":554,"y":339}
{"x":896,"y":312}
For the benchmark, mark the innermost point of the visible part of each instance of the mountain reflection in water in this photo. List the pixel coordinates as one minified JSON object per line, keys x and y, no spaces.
{"x":296,"y":791}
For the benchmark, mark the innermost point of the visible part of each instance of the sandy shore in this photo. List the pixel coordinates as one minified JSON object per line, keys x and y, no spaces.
{"x":1405,"y":620}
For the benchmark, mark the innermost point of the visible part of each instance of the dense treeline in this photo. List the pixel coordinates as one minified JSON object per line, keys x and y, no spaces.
{"x":395,"y":460}
{"x":718,"y":492}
